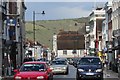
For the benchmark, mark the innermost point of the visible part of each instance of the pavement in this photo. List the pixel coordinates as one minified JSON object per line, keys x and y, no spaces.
{"x":7,"y":78}
{"x":110,"y":75}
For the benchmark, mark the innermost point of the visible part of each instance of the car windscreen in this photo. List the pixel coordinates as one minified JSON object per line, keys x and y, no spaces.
{"x":89,"y":61}
{"x":32,"y":67}
{"x":59,"y":62}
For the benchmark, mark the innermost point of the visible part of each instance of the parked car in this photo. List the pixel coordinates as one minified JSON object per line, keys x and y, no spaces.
{"x":63,"y":58}
{"x":44,"y":60}
{"x":59,"y":66}
{"x":33,"y":71}
{"x":26,"y":59}
{"x":89,"y":67}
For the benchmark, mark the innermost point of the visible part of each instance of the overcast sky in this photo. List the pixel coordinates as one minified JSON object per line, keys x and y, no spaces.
{"x":60,"y":10}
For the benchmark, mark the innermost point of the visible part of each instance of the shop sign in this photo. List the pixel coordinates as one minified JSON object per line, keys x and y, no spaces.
{"x":11,"y":22}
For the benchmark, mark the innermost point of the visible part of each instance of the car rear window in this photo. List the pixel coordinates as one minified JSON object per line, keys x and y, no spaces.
{"x":59,"y":62}
{"x":89,"y":61}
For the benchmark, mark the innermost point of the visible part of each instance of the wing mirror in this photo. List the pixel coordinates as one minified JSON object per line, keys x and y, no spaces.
{"x":16,"y":70}
{"x":49,"y":70}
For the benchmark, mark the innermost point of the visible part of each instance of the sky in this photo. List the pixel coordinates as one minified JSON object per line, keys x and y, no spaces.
{"x":59,"y":10}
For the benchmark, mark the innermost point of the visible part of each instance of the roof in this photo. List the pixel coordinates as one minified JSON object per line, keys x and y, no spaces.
{"x":69,"y":40}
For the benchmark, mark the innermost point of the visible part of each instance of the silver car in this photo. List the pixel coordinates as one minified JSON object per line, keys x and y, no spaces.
{"x":59,"y":66}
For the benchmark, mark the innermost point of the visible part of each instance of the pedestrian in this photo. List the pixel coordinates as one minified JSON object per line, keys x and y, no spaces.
{"x":106,"y":63}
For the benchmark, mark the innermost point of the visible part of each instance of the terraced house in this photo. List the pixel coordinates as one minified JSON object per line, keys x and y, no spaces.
{"x":12,"y":34}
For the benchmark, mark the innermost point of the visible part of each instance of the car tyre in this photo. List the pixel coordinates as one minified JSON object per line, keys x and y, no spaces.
{"x":51,"y":78}
{"x":67,"y":71}
{"x":101,"y":78}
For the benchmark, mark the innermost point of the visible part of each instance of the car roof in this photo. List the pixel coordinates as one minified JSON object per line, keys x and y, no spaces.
{"x":34,"y":62}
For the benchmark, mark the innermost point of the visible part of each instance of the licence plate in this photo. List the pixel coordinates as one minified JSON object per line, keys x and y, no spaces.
{"x":89,"y":73}
{"x":58,"y":68}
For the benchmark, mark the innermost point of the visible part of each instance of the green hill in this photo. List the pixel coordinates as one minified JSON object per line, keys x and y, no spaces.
{"x":45,"y":29}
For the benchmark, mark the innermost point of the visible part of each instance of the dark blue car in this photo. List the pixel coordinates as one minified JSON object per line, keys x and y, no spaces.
{"x":89,"y":67}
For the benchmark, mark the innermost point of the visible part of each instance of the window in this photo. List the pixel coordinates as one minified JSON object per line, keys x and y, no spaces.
{"x":89,"y":61}
{"x":64,"y":52}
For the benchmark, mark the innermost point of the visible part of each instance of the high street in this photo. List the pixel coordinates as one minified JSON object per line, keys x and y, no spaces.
{"x":68,"y":30}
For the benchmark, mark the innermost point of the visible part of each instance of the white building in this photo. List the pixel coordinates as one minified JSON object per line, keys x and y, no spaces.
{"x":55,"y":44}
{"x":69,"y":53}
{"x":96,"y":18}
{"x":116,"y":26}
{"x":0,"y":38}
{"x":87,"y":39}
{"x":20,"y":30}
{"x":36,"y":52}
{"x":106,"y":31}
{"x":69,"y":44}
{"x":14,"y":30}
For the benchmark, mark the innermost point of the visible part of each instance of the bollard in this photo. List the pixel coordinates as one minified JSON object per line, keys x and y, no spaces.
{"x":9,"y":71}
{"x":0,"y":78}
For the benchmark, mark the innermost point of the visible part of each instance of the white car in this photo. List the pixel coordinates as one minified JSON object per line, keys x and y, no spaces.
{"x":59,"y":66}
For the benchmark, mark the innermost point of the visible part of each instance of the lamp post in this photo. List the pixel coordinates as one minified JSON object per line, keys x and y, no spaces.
{"x":34,"y":27}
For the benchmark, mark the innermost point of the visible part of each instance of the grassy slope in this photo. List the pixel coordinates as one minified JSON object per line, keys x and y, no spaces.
{"x":46,"y":29}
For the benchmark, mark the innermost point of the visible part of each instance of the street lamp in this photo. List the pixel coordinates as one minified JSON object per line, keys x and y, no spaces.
{"x":34,"y":27}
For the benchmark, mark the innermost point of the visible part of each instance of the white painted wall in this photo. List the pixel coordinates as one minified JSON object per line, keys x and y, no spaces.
{"x":55,"y":44}
{"x":80,"y":53}
{"x":36,"y":52}
{"x":115,"y":15}
{"x":100,"y":15}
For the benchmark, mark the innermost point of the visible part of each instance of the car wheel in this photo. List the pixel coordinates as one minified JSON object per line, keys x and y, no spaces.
{"x":51,"y":77}
{"x":101,"y":78}
{"x":67,"y":71}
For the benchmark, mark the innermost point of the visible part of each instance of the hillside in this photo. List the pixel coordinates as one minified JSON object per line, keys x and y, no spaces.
{"x":44,"y":30}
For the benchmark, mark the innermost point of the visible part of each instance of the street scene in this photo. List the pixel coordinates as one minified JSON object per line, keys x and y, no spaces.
{"x":59,"y":40}
{"x":108,"y":75}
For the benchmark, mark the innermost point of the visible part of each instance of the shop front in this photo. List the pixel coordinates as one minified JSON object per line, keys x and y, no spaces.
{"x":116,"y":50}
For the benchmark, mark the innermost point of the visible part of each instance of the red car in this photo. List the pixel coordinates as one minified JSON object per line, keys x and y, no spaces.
{"x":34,"y":71}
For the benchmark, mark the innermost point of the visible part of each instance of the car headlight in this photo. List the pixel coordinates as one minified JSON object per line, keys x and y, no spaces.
{"x":64,"y":67}
{"x":80,"y":70}
{"x":40,"y":77}
{"x":99,"y":70}
{"x":18,"y":78}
